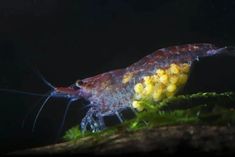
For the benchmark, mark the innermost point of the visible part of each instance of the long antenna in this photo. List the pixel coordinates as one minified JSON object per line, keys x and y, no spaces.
{"x":30,"y":93}
{"x":28,"y":113}
{"x":21,"y":92}
{"x":39,"y":111}
{"x":43,"y":78}
{"x":63,"y":120}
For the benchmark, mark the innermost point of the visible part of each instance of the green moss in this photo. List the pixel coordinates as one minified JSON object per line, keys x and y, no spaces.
{"x":73,"y":133}
{"x":200,"y":108}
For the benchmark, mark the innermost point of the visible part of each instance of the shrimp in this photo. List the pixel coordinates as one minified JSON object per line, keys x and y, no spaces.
{"x":155,"y":77}
{"x":112,"y":92}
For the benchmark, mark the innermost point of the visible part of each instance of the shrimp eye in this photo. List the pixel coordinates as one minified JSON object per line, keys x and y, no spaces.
{"x":76,"y":87}
{"x":79,"y":83}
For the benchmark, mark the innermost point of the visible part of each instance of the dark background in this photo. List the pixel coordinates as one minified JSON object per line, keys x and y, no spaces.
{"x":69,"y":40}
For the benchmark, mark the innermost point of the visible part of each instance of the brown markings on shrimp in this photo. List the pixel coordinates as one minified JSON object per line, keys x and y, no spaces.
{"x":161,"y":58}
{"x":113,"y":91}
{"x":170,"y":54}
{"x":105,"y":81}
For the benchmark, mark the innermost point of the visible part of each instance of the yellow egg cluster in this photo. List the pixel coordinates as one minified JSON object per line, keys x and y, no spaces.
{"x":164,"y":83}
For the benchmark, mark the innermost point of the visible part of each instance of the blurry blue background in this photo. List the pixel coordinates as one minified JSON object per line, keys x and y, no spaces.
{"x":70,"y":40}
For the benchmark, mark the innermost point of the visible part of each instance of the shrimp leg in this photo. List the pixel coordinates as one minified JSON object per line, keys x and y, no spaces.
{"x":89,"y":120}
{"x":119,"y":115}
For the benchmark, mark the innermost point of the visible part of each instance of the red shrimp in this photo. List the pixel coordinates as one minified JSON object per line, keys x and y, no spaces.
{"x":112,"y":92}
{"x":108,"y":94}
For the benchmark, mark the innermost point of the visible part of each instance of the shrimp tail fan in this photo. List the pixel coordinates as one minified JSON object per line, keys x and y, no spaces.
{"x":227,"y":51}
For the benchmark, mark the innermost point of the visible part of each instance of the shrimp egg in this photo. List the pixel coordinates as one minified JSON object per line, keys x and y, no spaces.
{"x":174,"y":69}
{"x":139,"y":88}
{"x":147,"y":80}
{"x":148,"y":89}
{"x":160,"y":72}
{"x":173,"y":79}
{"x":183,"y":79}
{"x":171,"y":88}
{"x":157,"y":95}
{"x":137,"y":105}
{"x":164,"y":79}
{"x":185,"y":67}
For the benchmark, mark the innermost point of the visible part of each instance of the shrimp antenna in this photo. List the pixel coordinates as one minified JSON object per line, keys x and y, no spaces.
{"x":21,"y":92}
{"x":39,"y":111}
{"x":30,"y":93}
{"x":64,"y":117}
{"x":43,"y":78}
{"x":29,"y":111}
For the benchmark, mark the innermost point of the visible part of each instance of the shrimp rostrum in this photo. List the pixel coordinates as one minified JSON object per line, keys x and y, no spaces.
{"x":155,"y":77}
